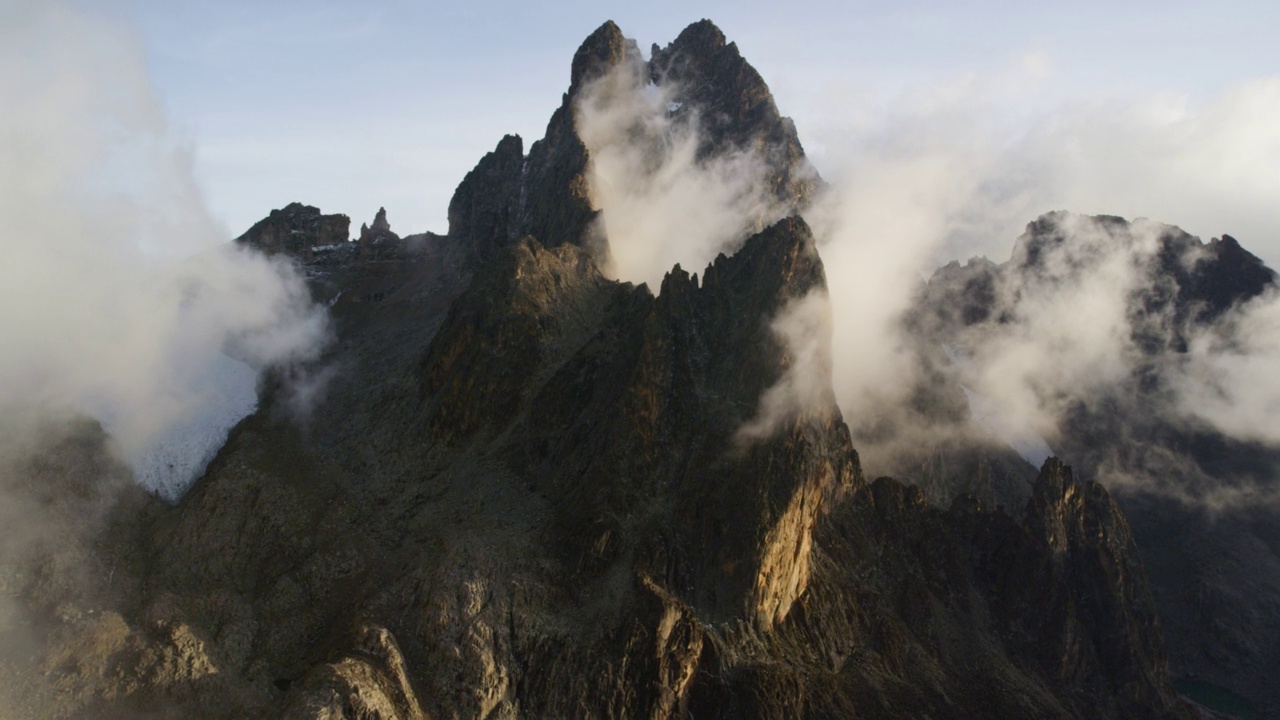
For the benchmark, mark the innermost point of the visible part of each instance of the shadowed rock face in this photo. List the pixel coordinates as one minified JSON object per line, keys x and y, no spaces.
{"x":529,"y":491}
{"x":485,"y":208}
{"x":734,"y":106}
{"x":636,"y":436}
{"x":915,"y":611}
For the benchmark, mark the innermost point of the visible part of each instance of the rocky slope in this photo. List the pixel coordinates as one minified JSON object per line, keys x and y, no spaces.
{"x":527,"y":490}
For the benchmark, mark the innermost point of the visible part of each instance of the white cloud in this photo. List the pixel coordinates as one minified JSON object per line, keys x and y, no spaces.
{"x":1232,"y":378}
{"x":119,"y":296}
{"x":660,"y":203}
{"x":803,"y":327}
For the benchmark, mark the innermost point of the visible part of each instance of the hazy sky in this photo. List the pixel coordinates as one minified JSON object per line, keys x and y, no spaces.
{"x":1128,"y":108}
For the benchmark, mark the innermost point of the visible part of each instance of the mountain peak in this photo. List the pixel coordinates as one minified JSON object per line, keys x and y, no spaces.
{"x":703,"y":34}
{"x":736,"y":108}
{"x":380,"y":221}
{"x":602,"y":49}
{"x":529,"y":490}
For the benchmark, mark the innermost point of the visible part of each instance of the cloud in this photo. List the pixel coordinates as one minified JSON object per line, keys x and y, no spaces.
{"x":661,"y":204}
{"x":952,"y":171}
{"x":1070,"y":334}
{"x":878,"y":229}
{"x":957,"y":169}
{"x":119,"y":296}
{"x":120,"y":300}
{"x":1209,"y":166}
{"x":1013,"y":145}
{"x":803,"y":327}
{"x":1229,"y":378}
{"x":664,"y":202}
{"x":1083,"y":345}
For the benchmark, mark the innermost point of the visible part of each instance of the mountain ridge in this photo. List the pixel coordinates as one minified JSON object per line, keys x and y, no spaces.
{"x":526,"y":491}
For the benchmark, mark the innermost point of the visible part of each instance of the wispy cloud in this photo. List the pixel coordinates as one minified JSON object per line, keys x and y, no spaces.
{"x":661,"y":202}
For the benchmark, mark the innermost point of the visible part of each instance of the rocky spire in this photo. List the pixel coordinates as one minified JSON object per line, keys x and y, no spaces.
{"x":601,"y":51}
{"x":377,"y":240}
{"x":737,"y":110}
{"x":529,"y":497}
{"x":380,"y":223}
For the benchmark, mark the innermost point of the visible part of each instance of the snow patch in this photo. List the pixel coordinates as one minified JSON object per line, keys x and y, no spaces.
{"x":178,"y":456}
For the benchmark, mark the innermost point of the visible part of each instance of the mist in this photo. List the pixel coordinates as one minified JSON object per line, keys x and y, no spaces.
{"x":803,"y":327}
{"x":956,"y":171}
{"x":661,"y":203}
{"x":120,"y":297}
{"x":134,"y":333}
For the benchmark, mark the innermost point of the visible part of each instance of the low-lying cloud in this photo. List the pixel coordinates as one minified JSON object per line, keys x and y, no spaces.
{"x":661,"y":204}
{"x":956,"y":171}
{"x":803,"y":328}
{"x":120,"y":297}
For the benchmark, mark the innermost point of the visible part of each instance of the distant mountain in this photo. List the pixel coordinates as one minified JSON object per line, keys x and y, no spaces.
{"x":1203,"y":502}
{"x":527,"y":490}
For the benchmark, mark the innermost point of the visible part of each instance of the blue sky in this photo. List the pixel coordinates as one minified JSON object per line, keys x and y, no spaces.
{"x":352,"y":106}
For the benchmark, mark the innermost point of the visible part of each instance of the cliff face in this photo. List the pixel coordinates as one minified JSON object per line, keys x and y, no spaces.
{"x":531,"y":491}
{"x":916,"y":611}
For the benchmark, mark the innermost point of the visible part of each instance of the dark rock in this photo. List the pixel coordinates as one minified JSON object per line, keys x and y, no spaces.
{"x":485,"y":209}
{"x":599,"y":53}
{"x":377,"y":242}
{"x":295,"y":230}
{"x":964,"y":613}
{"x":1183,"y":289}
{"x":735,"y":107}
{"x":380,"y":223}
{"x":641,"y":426}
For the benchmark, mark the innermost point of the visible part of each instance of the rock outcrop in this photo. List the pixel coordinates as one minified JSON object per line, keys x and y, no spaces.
{"x":377,"y":241}
{"x":546,"y":193}
{"x":485,"y":209}
{"x":295,"y":230}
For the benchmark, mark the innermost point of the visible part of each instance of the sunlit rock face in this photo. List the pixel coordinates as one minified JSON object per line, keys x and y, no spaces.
{"x":528,"y":489}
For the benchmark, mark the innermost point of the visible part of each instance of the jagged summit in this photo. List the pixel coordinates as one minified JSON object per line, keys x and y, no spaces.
{"x":380,"y":223}
{"x":528,"y":490}
{"x":600,"y":52}
{"x":735,"y":105}
{"x":485,"y":209}
{"x":546,"y":193}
